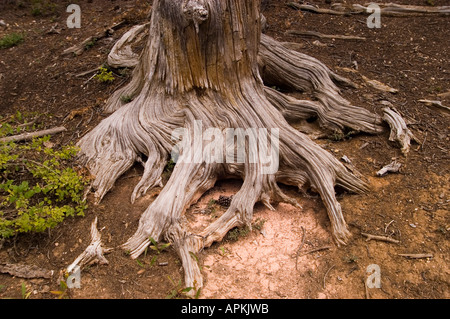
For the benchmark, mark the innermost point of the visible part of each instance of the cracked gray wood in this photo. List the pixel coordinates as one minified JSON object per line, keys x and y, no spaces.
{"x":207,"y":61}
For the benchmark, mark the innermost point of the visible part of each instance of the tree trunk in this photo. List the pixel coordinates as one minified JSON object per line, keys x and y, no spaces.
{"x":202,"y":71}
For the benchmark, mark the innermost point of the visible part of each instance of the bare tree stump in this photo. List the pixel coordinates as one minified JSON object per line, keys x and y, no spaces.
{"x":203,"y":70}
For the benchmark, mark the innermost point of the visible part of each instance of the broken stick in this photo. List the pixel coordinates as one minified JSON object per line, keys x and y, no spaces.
{"x":380,"y":238}
{"x":416,"y":256}
{"x":399,"y":130}
{"x":94,"y":253}
{"x":325,"y":36}
{"x":30,"y":136}
{"x":430,"y":103}
{"x":394,"y":167}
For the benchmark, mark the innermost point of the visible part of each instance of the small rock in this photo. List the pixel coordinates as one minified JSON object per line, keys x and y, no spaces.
{"x":140,"y":272}
{"x":45,"y":289}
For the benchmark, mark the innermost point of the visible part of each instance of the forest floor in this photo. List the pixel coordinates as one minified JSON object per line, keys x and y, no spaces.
{"x":410,"y":54}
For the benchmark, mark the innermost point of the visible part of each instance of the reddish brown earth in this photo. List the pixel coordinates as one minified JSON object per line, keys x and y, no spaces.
{"x":410,"y":54}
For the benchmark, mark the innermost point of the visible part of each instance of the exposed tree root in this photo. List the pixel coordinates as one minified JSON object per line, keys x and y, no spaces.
{"x":192,"y":72}
{"x":94,"y":253}
{"x":287,"y":68}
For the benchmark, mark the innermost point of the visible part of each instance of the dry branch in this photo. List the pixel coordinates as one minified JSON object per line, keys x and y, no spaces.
{"x":25,"y":271}
{"x":122,"y":54}
{"x":394,"y":167}
{"x":307,"y":7}
{"x":30,"y":136}
{"x":390,"y":10}
{"x":416,"y":256}
{"x":325,"y":36}
{"x":380,"y":238}
{"x":300,"y":248}
{"x":207,"y":61}
{"x":94,"y":253}
{"x":438,"y":104}
{"x":379,"y":86}
{"x":325,"y":276}
{"x":314,"y":250}
{"x":399,"y":130}
{"x":78,"y":49}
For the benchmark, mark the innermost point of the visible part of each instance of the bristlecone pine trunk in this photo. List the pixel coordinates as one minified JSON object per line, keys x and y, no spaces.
{"x":204,"y":67}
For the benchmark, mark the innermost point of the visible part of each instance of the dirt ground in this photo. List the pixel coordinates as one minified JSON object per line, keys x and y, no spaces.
{"x":292,"y":255}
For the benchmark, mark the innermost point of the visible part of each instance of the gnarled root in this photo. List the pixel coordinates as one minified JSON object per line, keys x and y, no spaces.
{"x":288,"y":68}
{"x":193,"y":72}
{"x":94,"y":253}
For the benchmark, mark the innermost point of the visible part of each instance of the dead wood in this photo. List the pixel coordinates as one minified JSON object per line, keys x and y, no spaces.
{"x":307,"y":7}
{"x":386,"y":9}
{"x":437,"y":104}
{"x":416,"y":256}
{"x":393,"y":167}
{"x":206,"y":66}
{"x":380,"y":238}
{"x":25,"y":271}
{"x":94,"y":253}
{"x":325,"y":36}
{"x":79,"y":48}
{"x":30,"y":136}
{"x":399,"y":130}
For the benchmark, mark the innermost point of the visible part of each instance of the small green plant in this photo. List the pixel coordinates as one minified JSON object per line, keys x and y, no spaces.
{"x":38,"y":189}
{"x":178,"y":292}
{"x":351,"y":259}
{"x":104,"y":76}
{"x":63,"y":292}
{"x":258,"y":224}
{"x":25,"y":293}
{"x":237,"y":233}
{"x":126,"y":99}
{"x":339,"y":136}
{"x":170,"y":166}
{"x":159,"y":248}
{"x":11,"y":40}
{"x":90,"y":44}
{"x":42,"y":8}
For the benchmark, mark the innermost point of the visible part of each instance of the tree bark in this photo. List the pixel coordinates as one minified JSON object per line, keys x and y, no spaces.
{"x":204,"y":63}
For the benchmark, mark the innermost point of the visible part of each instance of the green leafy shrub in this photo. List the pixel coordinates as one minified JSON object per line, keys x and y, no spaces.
{"x":42,"y":8}
{"x":10,"y":40}
{"x":104,"y":76}
{"x":38,"y":187}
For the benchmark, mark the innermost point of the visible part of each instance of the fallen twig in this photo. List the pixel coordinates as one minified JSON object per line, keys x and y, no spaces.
{"x":399,"y":130}
{"x":380,"y":238}
{"x":325,"y":36}
{"x":78,"y":49}
{"x":416,"y":256}
{"x":315,"y":250}
{"x":88,"y":72}
{"x":379,"y":86}
{"x":25,"y":271}
{"x":430,"y":103}
{"x":30,"y":136}
{"x":300,"y":248}
{"x":392,"y":10}
{"x":325,"y":276}
{"x":394,"y":167}
{"x":94,"y":253}
{"x":307,"y":7}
